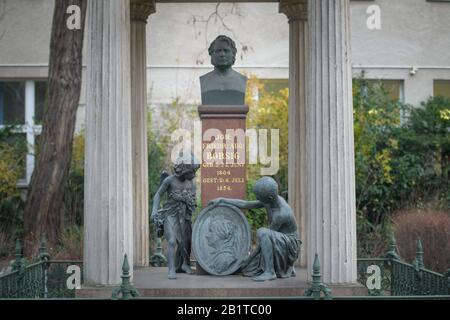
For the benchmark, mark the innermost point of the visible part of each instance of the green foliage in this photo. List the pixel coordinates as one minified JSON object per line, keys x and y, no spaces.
{"x":257,"y":218}
{"x":73,"y":204}
{"x":13,"y":153}
{"x":157,"y":155}
{"x":71,"y":247}
{"x":6,"y":245}
{"x":425,"y":142}
{"x":398,"y":164}
{"x":175,"y":115}
{"x":270,"y":111}
{"x":376,"y":117}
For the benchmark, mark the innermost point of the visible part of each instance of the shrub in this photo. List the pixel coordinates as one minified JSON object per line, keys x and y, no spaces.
{"x":433,"y":229}
{"x":376,"y":117}
{"x":425,"y":141}
{"x":372,"y":238}
{"x":157,"y":154}
{"x":398,"y":164}
{"x":257,"y":218}
{"x":71,"y":247}
{"x":6,"y":245}
{"x":13,"y":153}
{"x":270,"y":111}
{"x":73,"y":203}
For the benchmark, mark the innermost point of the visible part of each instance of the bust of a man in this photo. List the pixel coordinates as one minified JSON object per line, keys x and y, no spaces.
{"x":223,"y":85}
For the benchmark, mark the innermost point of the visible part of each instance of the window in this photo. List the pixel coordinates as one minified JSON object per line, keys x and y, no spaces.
{"x":271,"y":86}
{"x":441,"y":88}
{"x":385,"y":92}
{"x":394,"y":88}
{"x":22,"y":105}
{"x":12,"y":103}
{"x":40,"y":91}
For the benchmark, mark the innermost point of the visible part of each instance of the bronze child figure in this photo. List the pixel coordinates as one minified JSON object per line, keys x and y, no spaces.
{"x":174,"y":220}
{"x":279,"y":245}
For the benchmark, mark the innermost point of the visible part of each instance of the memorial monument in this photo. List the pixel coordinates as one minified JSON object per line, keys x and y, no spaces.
{"x":221,"y":237}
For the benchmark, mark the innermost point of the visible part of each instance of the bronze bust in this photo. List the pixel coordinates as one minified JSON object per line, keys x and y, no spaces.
{"x":223,"y":85}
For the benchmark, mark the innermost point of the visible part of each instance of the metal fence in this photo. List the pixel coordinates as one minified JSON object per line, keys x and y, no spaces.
{"x":387,"y":277}
{"x":58,"y":275}
{"x":27,"y":282}
{"x":41,"y":279}
{"x":391,"y":276}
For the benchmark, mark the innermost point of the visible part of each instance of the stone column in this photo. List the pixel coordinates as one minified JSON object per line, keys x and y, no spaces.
{"x":297,"y":13}
{"x":140,"y":10}
{"x":331,"y":179}
{"x":108,"y":211}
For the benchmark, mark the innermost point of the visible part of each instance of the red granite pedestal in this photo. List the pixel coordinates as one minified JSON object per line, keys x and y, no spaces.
{"x":223,"y":171}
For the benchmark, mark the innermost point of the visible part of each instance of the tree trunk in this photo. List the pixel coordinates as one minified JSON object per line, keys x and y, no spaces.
{"x":46,"y":190}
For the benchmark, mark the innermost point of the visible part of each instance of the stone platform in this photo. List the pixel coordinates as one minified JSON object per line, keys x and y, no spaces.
{"x":153,"y":282}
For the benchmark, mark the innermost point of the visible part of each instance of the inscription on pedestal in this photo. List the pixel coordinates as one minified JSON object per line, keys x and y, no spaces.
{"x":223,"y":172}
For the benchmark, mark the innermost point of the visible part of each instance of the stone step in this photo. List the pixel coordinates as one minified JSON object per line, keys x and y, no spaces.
{"x":153,"y":282}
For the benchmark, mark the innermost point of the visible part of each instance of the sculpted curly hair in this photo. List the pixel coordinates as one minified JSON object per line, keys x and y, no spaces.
{"x":182,"y":167}
{"x":226,"y":39}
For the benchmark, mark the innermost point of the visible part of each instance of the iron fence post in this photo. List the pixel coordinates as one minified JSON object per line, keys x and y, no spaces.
{"x":125,"y":288}
{"x":158,"y":259}
{"x":44,"y":256}
{"x":19,"y":261}
{"x":317,"y":287}
{"x":392,"y":252}
{"x":447,"y":275}
{"x":418,"y":262}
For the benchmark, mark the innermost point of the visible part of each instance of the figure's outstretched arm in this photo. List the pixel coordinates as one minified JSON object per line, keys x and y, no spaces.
{"x":243,"y":204}
{"x":157,"y":198}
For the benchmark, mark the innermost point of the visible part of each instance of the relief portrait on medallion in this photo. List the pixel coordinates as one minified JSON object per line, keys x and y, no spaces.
{"x":222,"y":242}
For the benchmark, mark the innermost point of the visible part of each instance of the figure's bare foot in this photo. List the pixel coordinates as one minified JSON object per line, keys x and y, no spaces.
{"x":172,"y":275}
{"x":265,"y":276}
{"x":291,"y":272}
{"x":187,"y":269}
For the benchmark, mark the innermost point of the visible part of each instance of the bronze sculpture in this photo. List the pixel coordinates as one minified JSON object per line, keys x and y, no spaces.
{"x":223,"y":85}
{"x":279,"y":245}
{"x":174,"y":220}
{"x":221,"y":239}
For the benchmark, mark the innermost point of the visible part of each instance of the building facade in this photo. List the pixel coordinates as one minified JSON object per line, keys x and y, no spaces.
{"x":404,"y":43}
{"x":310,"y":45}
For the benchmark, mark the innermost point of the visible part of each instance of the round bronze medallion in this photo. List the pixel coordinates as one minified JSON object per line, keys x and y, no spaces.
{"x":221,"y":239}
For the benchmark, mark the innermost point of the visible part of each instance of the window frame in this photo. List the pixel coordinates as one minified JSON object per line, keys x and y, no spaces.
{"x":434,"y":86}
{"x":30,"y":128}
